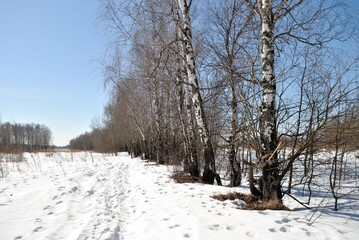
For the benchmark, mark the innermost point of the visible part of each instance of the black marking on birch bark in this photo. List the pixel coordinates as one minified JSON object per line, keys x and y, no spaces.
{"x":209,"y":168}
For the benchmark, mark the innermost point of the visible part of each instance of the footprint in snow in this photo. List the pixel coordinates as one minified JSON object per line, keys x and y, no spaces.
{"x":217,"y":227}
{"x":250,"y":234}
{"x":186,"y":235}
{"x":174,"y":226}
{"x":47,"y":207}
{"x":74,"y":189}
{"x":284,"y":220}
{"x":263,"y":213}
{"x":229,"y":228}
{"x":38,"y":229}
{"x":89,"y":193}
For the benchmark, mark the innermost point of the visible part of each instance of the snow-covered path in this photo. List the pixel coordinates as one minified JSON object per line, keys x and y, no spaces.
{"x":95,"y":196}
{"x":64,"y":199}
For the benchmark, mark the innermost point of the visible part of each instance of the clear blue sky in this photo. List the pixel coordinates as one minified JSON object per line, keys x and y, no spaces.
{"x":47,"y":72}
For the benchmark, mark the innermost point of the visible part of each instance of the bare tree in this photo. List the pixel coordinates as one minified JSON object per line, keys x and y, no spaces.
{"x":209,"y":172}
{"x":232,"y":60}
{"x":283,"y":22}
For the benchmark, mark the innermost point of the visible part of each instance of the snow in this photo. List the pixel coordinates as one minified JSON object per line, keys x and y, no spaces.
{"x":84,"y":195}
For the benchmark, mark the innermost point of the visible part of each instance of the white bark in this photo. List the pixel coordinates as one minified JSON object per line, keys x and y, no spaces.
{"x":209,"y":167}
{"x":191,"y":73}
{"x":268,"y":115}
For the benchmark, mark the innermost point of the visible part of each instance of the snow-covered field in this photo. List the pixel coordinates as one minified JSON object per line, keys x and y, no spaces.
{"x":83,"y":195}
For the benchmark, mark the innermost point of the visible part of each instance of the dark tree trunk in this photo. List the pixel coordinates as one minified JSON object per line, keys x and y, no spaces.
{"x":236,"y":176}
{"x":271,"y":183}
{"x":254,"y":190}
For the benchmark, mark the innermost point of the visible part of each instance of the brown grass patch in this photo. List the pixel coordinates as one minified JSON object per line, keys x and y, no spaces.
{"x":183,"y":177}
{"x":247,"y":198}
{"x":270,"y":205}
{"x":252,"y":203}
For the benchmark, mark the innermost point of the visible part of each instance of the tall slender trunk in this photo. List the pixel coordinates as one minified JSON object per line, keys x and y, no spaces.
{"x":144,"y":144}
{"x":185,"y":100}
{"x":187,"y":126}
{"x":192,"y":136}
{"x":159,"y":127}
{"x":209,"y":172}
{"x":232,"y":151}
{"x":268,"y":119}
{"x":182,"y":120}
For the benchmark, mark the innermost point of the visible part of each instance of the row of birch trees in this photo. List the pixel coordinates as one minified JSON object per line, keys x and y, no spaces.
{"x":218,"y":86}
{"x":15,"y":137}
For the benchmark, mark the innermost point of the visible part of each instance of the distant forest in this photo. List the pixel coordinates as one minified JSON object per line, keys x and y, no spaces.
{"x":15,"y":137}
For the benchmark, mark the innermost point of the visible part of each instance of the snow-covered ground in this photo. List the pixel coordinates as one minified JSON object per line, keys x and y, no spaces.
{"x":93,"y":196}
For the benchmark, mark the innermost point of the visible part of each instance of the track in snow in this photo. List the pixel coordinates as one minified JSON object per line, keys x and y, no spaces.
{"x":67,"y":200}
{"x":81,"y":196}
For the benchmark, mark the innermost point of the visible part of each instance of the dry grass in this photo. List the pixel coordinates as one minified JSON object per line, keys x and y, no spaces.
{"x":247,"y":198}
{"x":252,"y":203}
{"x":183,"y":177}
{"x":270,"y":205}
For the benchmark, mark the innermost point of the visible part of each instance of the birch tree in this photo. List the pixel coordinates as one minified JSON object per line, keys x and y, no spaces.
{"x":184,"y":105}
{"x":268,"y":122}
{"x":209,"y":172}
{"x":283,"y":22}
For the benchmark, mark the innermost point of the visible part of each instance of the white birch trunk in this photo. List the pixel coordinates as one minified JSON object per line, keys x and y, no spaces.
{"x":209,"y":164}
{"x":185,"y":97}
{"x":268,"y":120}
